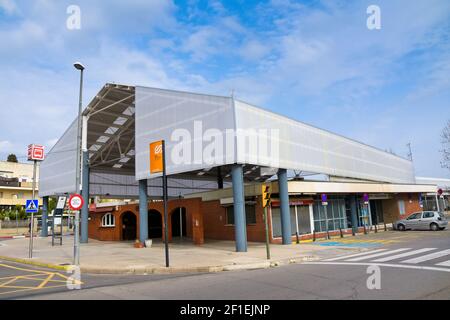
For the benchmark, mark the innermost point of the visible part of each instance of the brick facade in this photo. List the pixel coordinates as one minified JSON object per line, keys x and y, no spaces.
{"x":194,"y":220}
{"x":208,"y":219}
{"x":391,"y":210}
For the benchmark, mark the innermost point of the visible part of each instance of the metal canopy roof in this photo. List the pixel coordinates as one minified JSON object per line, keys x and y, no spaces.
{"x":122,"y":120}
{"x":111,"y":130}
{"x":111,"y":138}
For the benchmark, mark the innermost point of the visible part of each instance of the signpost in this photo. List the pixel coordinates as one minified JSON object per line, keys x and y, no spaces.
{"x":366,"y":199}
{"x":438,"y":193}
{"x":266,"y":194}
{"x":76,"y":202}
{"x":158,"y":165}
{"x":35,"y":154}
{"x":324,"y":199}
{"x":58,"y":215}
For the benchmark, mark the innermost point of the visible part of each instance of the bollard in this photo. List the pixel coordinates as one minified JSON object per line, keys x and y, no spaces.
{"x":340,"y":231}
{"x":328,"y":235}
{"x":314,"y":235}
{"x":353,"y":231}
{"x":376,"y":229}
{"x":365,"y":229}
{"x":385,"y":226}
{"x":296,"y":235}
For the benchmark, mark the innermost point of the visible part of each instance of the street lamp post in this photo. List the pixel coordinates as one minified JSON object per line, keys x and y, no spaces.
{"x":76,"y":254}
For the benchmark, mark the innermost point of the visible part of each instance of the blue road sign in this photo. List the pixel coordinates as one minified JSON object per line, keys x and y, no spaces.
{"x":32,"y":206}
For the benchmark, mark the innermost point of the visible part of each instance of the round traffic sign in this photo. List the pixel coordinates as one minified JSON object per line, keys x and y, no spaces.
{"x":76,"y":202}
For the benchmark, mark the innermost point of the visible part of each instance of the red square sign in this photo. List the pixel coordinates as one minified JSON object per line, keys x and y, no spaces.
{"x":35,"y":152}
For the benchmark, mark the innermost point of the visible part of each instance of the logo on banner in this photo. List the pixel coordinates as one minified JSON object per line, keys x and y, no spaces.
{"x":156,"y":157}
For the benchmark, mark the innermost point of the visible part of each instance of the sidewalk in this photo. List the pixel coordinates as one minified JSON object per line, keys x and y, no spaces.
{"x":122,"y":258}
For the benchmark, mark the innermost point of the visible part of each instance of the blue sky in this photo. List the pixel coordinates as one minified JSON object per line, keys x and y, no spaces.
{"x":314,"y":61}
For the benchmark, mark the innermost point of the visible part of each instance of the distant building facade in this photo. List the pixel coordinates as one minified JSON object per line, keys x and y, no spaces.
{"x":16,"y":182}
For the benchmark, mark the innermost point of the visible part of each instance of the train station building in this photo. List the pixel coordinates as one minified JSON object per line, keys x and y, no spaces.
{"x":220,"y":151}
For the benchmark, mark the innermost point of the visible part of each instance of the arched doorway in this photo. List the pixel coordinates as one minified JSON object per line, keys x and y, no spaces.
{"x":178,"y":219}
{"x":128,"y":226}
{"x":154,"y":224}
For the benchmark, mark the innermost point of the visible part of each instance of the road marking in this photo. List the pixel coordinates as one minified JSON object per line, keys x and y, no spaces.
{"x":43,"y":280}
{"x":402,"y":255}
{"x":444,"y":264}
{"x":378,"y":254}
{"x":428,"y":257}
{"x":354,"y":255}
{"x":378,"y":264}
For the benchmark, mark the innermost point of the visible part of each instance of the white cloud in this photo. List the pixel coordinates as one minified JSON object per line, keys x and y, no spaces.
{"x":297,"y":59}
{"x":8,"y":6}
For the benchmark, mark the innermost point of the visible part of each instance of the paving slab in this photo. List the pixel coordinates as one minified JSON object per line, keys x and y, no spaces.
{"x":122,"y":258}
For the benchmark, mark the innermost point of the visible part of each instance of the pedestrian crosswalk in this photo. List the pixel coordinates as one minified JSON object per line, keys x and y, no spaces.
{"x":398,"y":255}
{"x":374,"y":255}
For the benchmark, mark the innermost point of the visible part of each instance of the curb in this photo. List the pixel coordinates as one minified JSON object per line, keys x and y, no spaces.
{"x":12,"y":237}
{"x":146,"y":270}
{"x":37,"y":263}
{"x":142,"y":270}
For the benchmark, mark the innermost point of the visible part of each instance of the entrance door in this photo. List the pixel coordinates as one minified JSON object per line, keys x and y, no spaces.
{"x":154,"y":224}
{"x":304,"y":222}
{"x":179,"y":222}
{"x":128,"y":226}
{"x":376,"y":211}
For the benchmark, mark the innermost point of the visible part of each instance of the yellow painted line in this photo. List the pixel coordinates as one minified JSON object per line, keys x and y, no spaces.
{"x":8,"y":292}
{"x":43,"y":283}
{"x":23,"y":269}
{"x":18,"y":287}
{"x":36,"y":263}
{"x":73,"y":281}
{"x":8,"y":282}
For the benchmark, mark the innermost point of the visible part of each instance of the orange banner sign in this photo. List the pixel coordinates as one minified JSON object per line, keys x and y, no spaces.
{"x":156,"y":157}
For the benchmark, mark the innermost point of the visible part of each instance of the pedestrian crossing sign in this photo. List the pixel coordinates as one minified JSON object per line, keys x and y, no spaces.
{"x":32,"y":206}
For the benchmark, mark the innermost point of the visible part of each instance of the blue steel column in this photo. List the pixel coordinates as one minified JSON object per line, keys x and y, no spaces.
{"x":143,"y":211}
{"x":44,"y":231}
{"x":284,"y":207}
{"x":354,"y":214}
{"x":85,"y":195}
{"x":240,"y":225}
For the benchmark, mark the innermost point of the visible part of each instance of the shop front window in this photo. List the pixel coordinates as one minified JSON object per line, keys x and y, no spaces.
{"x":330,"y":217}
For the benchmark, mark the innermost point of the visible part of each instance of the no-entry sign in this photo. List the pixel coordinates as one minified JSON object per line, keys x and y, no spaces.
{"x":76,"y":202}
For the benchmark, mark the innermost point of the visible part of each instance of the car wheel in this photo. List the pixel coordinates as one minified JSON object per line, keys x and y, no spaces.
{"x":434,"y":227}
{"x":401,"y":227}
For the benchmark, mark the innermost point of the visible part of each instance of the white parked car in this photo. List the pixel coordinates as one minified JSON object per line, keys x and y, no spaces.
{"x":426,"y":220}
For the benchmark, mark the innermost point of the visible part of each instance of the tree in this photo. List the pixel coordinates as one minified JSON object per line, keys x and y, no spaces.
{"x":446,"y":146}
{"x":12,"y":158}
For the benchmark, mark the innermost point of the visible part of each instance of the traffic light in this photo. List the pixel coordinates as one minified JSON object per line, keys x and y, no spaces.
{"x":266,"y":193}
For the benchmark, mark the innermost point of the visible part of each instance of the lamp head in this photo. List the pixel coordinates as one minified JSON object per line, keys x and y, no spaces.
{"x":78,"y":66}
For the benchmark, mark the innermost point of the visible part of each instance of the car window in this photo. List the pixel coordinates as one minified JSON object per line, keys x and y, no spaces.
{"x":428,"y":214}
{"x":414,"y":216}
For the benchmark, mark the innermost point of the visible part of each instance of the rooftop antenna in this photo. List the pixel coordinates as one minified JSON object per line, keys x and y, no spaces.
{"x":410,"y":156}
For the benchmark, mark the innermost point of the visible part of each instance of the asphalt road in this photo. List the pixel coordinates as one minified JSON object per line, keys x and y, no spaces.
{"x":412,"y":265}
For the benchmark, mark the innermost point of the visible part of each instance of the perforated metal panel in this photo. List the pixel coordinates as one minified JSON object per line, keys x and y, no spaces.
{"x":57,"y":171}
{"x":126,"y":186}
{"x":303,"y":147}
{"x":163,"y":114}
